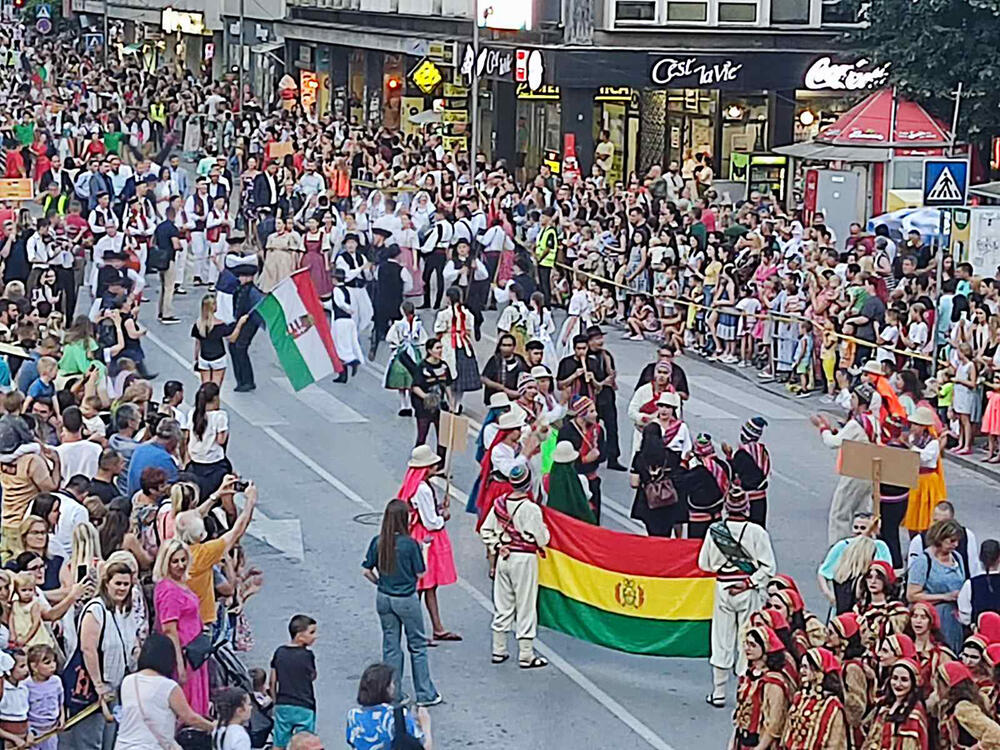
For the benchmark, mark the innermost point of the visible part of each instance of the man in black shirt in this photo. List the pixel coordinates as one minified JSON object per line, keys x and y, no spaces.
{"x":575,"y":374}
{"x":869,"y":319}
{"x":600,"y":361}
{"x":915,"y":246}
{"x":522,"y":277}
{"x":163,"y":258}
{"x":502,"y":370}
{"x":109,"y":466}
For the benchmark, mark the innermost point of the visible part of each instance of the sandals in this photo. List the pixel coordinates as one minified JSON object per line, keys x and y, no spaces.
{"x":535,"y":663}
{"x":715,"y":701}
{"x":499,"y":658}
{"x":447,"y":636}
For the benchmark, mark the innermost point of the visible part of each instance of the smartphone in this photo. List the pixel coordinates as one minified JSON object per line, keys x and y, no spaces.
{"x":81,"y":573}
{"x":240,"y":485}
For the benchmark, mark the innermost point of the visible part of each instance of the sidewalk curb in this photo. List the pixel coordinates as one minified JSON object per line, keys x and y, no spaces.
{"x":963,"y":461}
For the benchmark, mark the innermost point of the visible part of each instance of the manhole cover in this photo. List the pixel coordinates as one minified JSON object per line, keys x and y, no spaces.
{"x":369,"y":519}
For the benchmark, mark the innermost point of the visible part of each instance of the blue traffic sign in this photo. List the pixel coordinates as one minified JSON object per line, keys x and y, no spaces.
{"x":43,"y":26}
{"x":946,"y":182}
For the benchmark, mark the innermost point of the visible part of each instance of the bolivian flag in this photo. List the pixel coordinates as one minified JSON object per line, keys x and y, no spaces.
{"x":632,"y":593}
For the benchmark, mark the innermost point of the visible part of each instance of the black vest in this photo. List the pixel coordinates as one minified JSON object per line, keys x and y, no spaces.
{"x":339,"y":314}
{"x":390,"y":291}
{"x":354,"y":262}
{"x":985,"y":594}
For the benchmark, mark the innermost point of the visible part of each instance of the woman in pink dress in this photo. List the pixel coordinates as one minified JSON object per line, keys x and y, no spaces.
{"x":427,"y":520}
{"x":409,"y":254}
{"x":177,"y":617}
{"x":316,"y":259}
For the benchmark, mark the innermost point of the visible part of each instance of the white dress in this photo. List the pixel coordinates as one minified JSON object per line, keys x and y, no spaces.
{"x":541,"y":328}
{"x":577,"y":321}
{"x":345,"y":330}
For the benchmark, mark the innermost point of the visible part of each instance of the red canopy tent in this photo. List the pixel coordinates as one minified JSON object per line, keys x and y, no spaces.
{"x":883,"y":120}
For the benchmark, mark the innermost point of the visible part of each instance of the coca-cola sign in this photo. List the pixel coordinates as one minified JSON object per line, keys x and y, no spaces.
{"x":860,"y":75}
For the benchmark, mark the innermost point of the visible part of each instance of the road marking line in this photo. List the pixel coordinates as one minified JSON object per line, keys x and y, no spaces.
{"x":322,"y":402}
{"x":615,"y":708}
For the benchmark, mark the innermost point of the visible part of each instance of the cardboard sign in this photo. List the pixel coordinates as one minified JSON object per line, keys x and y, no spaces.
{"x":454,"y":432}
{"x":16,"y":189}
{"x":897,"y":466}
{"x":280,"y":150}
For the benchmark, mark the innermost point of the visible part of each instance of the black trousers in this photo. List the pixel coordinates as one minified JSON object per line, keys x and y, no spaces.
{"x":239,"y":350}
{"x":545,"y":283}
{"x":66,"y":283}
{"x":424,"y":429}
{"x":595,"y":497}
{"x":434,"y":266}
{"x":758,"y":512}
{"x":892,"y":516}
{"x":608,"y":413}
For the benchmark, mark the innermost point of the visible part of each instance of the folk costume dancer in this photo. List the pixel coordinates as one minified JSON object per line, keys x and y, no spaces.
{"x":816,"y":720}
{"x":751,"y":464}
{"x":584,"y":431}
{"x":706,"y":485}
{"x":454,"y":325}
{"x":899,"y":719}
{"x":740,"y":555}
{"x":642,"y":407}
{"x":503,"y":453}
{"x":357,"y":273}
{"x":245,"y":297}
{"x":763,"y":692}
{"x":515,"y":534}
{"x":853,"y":495}
{"x":406,"y":339}
{"x":345,"y":329}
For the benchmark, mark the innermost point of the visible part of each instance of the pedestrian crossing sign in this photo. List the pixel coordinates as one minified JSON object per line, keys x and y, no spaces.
{"x":946,"y":182}
{"x":43,"y":11}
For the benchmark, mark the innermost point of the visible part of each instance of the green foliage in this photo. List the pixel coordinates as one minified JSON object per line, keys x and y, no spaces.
{"x":30,"y":9}
{"x":932,"y":45}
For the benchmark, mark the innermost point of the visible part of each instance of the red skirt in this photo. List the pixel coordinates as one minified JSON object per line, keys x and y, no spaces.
{"x":438,"y":559}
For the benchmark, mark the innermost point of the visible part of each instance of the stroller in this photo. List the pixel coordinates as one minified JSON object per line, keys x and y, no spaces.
{"x":226,"y":669}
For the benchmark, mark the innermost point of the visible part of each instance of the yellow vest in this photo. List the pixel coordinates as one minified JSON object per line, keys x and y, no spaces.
{"x":158,"y":113}
{"x":547,"y":247}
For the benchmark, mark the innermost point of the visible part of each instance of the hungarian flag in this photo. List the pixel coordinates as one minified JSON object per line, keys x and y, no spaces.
{"x":633,"y":593}
{"x":299,"y":330}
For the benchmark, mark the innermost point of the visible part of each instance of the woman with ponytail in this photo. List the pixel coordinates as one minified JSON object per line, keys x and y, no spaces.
{"x":209,"y":437}
{"x":232,"y":711}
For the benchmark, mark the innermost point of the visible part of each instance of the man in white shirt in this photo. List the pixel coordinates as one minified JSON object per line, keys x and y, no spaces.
{"x":76,"y":455}
{"x":41,"y":249}
{"x":72,"y":513}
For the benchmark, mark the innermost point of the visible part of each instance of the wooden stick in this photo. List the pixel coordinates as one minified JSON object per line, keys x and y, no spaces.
{"x":876,"y":491}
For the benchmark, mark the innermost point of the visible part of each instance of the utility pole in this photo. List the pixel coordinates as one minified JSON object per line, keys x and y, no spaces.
{"x":954,"y":119}
{"x":474,"y":97}
{"x":107,"y":41}
{"x":239,"y":96}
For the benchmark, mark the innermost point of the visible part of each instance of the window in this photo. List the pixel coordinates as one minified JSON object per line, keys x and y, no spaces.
{"x":789,"y":11}
{"x":737,"y":12}
{"x":687,"y":12}
{"x":635,"y":10}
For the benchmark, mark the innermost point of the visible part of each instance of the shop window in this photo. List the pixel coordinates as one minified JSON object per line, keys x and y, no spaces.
{"x":688,"y":12}
{"x":635,"y":10}
{"x":789,"y":11}
{"x":907,"y":174}
{"x":737,"y":12}
{"x":843,"y":11}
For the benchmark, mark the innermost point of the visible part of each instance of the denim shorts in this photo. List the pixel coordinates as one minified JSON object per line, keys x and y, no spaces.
{"x":290,"y":720}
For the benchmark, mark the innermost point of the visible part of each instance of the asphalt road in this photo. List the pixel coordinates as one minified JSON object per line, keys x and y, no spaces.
{"x":328,"y":458}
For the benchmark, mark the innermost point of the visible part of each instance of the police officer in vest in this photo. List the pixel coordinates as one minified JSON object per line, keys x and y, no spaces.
{"x":546,"y":249}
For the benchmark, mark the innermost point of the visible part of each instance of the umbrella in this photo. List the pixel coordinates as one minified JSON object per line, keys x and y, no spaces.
{"x":924,"y":220}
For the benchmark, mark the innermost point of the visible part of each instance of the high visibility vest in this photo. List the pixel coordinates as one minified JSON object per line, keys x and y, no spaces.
{"x":158,"y":113}
{"x":57,"y":204}
{"x":547,"y":247}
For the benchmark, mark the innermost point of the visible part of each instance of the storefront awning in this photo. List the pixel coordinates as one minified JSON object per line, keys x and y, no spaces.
{"x":826,"y":152}
{"x":266,"y":48}
{"x":885,"y":120}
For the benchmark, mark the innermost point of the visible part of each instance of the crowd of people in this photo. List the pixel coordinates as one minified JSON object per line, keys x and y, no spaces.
{"x":118,"y":502}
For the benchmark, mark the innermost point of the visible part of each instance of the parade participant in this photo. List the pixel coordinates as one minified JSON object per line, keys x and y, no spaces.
{"x":554,"y":408}
{"x":880,"y":613}
{"x":846,"y":564}
{"x":358,"y":271}
{"x":398,"y":559}
{"x":466,"y":271}
{"x":567,"y":492}
{"x":515,"y":534}
{"x":925,"y":631}
{"x":930,"y":489}
{"x":654,"y":466}
{"x":602,"y":364}
{"x":776,"y":621}
{"x":844,"y":640}
{"x":503,"y":369}
{"x":763,"y":692}
{"x":993,"y":662}
{"x":431,"y":393}
{"x":751,"y":465}
{"x":806,"y":629}
{"x":705,"y":486}
{"x":643,"y":407}
{"x":816,"y":719}
{"x":406,"y":339}
{"x":345,"y":328}
{"x":575,"y":376}
{"x":894,"y":500}
{"x":245,"y":297}
{"x":501,"y":456}
{"x":740,"y":555}
{"x":964,"y":717}
{"x":197,"y":206}
{"x":583,"y":430}
{"x":852,"y":494}
{"x":973,"y":655}
{"x":899,"y":720}
{"x":393,"y":282}
{"x":454,"y":327}
{"x":427,"y":528}
{"x":316,"y":258}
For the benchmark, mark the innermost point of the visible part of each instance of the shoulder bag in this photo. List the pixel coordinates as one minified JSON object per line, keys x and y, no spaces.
{"x":78,"y":689}
{"x":659,"y":491}
{"x":198,"y":650}
{"x":402,"y":739}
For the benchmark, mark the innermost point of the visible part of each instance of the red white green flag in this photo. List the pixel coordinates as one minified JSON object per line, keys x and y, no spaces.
{"x":300,"y":331}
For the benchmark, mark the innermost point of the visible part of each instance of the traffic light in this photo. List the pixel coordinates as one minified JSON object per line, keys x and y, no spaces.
{"x":393,"y":84}
{"x":18,"y":3}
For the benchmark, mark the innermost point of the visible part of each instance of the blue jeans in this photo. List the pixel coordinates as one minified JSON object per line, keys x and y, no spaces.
{"x":403,"y":612}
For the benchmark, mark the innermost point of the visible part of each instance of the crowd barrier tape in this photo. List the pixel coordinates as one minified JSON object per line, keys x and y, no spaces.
{"x":77,"y":718}
{"x":779,"y":318}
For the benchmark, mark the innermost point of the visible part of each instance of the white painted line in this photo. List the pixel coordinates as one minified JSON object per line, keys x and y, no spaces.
{"x":321,"y":402}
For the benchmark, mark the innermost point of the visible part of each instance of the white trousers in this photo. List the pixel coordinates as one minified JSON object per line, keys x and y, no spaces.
{"x":199,"y":255}
{"x":515,"y":595}
{"x":181,"y":262}
{"x":216,"y":253}
{"x":730,"y":615}
{"x":852,"y":496}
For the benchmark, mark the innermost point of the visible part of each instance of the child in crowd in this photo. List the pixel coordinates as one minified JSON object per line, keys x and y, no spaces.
{"x":293,"y":671}
{"x":261,"y":692}
{"x":26,"y":626}
{"x":802,"y":361}
{"x":14,"y":702}
{"x":748,"y":330}
{"x":44,"y":384}
{"x":45,"y":695}
{"x":828,"y":359}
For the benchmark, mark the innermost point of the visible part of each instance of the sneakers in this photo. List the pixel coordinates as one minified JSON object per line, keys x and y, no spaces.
{"x":180,"y":290}
{"x":436,"y":700}
{"x":169,"y":320}
{"x":804,"y":394}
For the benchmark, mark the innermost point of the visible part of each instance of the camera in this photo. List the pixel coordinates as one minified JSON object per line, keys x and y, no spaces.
{"x":240,"y":485}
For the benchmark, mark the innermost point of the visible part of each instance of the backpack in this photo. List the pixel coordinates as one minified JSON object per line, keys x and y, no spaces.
{"x":402,"y":739}
{"x":148,"y":530}
{"x":106,"y":334}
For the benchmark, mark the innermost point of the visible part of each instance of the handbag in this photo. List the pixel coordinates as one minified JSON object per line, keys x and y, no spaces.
{"x":78,"y":689}
{"x":402,"y":739}
{"x":197,"y":651}
{"x":660,"y":492}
